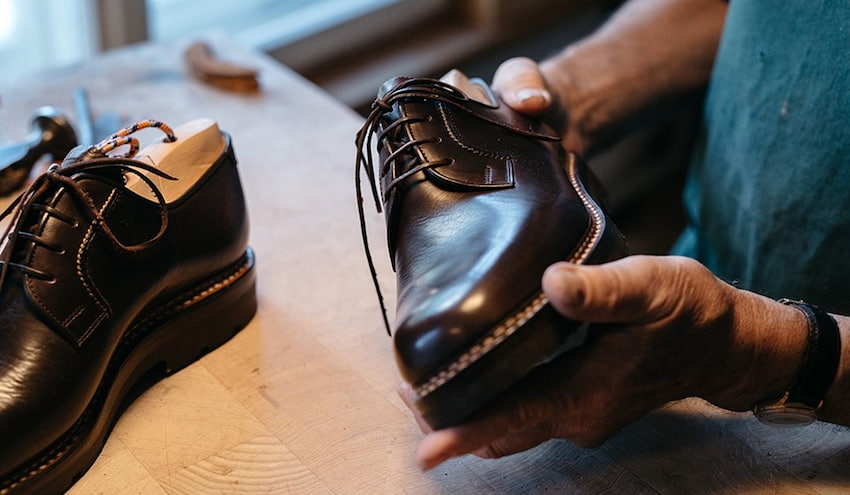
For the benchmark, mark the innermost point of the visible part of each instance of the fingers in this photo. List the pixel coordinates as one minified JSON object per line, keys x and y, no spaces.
{"x":513,"y":424}
{"x":516,"y":442}
{"x":522,"y":86}
{"x":484,"y":438}
{"x":564,"y":399}
{"x":631,"y":290}
{"x":405,"y":391}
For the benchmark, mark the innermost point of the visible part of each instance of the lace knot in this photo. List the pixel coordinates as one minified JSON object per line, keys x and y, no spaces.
{"x":62,"y":176}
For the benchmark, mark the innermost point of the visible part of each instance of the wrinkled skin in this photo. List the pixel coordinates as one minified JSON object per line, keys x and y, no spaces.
{"x":664,"y":325}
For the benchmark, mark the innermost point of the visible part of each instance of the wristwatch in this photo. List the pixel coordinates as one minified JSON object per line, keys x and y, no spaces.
{"x":800,"y":404}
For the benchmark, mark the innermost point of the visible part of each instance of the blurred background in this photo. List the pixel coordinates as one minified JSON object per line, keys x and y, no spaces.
{"x":349,"y":47}
{"x":345,"y":46}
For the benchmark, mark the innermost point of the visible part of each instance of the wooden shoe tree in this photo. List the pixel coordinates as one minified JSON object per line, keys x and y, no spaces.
{"x":474,"y":88}
{"x":199,"y":144}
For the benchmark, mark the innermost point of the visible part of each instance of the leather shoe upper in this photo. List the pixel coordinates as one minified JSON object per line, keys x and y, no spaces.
{"x":85,"y":259}
{"x":478,"y":204}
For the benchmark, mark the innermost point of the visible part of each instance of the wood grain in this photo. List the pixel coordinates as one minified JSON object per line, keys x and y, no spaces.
{"x":303,"y":400}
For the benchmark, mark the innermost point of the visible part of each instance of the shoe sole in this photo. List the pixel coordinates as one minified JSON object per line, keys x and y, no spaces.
{"x":527,"y":338}
{"x":170,"y":338}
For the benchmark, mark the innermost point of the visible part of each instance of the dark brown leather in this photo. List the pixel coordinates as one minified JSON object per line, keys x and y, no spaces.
{"x":83,"y":304}
{"x":478,"y":200}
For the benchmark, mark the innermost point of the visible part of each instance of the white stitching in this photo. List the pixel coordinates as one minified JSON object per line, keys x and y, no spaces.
{"x":512,"y":323}
{"x":450,"y":130}
{"x":90,"y":290}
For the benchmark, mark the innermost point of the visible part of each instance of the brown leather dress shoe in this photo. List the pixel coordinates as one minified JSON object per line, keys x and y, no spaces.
{"x":478,"y":201}
{"x":113,"y":275}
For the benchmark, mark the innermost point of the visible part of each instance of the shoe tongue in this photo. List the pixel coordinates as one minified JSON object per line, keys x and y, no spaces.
{"x":389,"y":85}
{"x":81,"y":153}
{"x":474,"y":89}
{"x":84,"y":153}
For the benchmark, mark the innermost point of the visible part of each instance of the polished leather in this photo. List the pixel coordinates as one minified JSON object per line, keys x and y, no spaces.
{"x":59,"y":333}
{"x":479,"y":200}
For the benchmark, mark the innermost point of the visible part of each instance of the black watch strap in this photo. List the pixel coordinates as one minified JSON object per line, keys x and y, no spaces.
{"x":820,"y":362}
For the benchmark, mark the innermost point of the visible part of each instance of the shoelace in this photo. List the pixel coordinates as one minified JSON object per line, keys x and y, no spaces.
{"x":413,"y":88}
{"x":425,"y":88}
{"x":61,"y":176}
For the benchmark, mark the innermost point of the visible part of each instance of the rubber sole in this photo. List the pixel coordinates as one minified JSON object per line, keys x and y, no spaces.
{"x":168,"y":339}
{"x":544,"y":337}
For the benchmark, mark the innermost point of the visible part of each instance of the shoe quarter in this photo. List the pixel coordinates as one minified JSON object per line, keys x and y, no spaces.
{"x":69,"y":300}
{"x":472,"y":150}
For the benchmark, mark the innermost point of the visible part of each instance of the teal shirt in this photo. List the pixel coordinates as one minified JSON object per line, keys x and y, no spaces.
{"x":768,"y":197}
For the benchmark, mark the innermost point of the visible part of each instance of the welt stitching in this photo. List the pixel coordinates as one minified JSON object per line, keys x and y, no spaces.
{"x":82,"y":425}
{"x":450,"y":130}
{"x":513,"y":322}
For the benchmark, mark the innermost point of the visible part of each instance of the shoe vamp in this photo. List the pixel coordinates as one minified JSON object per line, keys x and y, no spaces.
{"x":467,"y":261}
{"x":57,"y":336}
{"x":43,"y":381}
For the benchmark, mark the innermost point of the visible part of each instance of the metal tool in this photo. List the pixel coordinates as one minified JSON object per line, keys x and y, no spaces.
{"x":91,"y":130}
{"x":52,"y":134}
{"x":85,"y":121}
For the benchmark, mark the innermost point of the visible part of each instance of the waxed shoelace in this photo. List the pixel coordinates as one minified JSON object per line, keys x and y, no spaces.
{"x":413,"y":88}
{"x":62,"y":176}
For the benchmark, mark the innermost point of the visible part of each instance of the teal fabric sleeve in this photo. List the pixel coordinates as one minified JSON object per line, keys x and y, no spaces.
{"x":768,"y":196}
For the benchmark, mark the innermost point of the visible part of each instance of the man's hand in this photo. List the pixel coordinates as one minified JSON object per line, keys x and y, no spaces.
{"x":665,"y":329}
{"x":627,"y":74}
{"x":522,"y":86}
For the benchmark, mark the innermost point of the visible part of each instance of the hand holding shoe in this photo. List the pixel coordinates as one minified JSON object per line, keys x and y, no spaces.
{"x":478,"y":201}
{"x":522,"y":85}
{"x":527,"y":87}
{"x":666,"y":329}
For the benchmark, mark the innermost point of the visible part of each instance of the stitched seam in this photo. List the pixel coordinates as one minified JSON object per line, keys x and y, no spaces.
{"x":483,"y":346}
{"x":595,"y":229}
{"x":453,"y":136}
{"x":73,"y":316}
{"x":81,"y":253}
{"x":216,"y":287}
{"x":55,"y":454}
{"x":450,"y":130}
{"x":41,"y":303}
{"x":511,"y":324}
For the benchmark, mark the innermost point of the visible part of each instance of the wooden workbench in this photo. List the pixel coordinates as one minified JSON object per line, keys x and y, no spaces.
{"x":303,"y":400}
